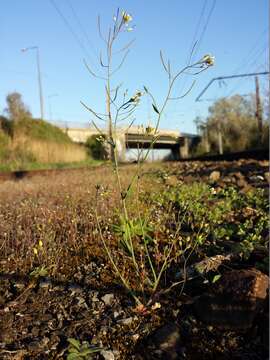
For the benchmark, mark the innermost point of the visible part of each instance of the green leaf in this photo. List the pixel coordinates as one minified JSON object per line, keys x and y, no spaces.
{"x":155,"y":109}
{"x":145,"y":89}
{"x":90,"y":351}
{"x":74,"y":356}
{"x":216,"y":278}
{"x":39,"y":271}
{"x":75,"y":343}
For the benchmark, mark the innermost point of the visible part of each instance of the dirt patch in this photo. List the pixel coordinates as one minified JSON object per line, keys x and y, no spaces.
{"x":68,"y":289}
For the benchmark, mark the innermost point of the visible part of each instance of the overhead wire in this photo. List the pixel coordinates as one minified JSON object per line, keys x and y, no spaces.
{"x":70,"y":28}
{"x":246,"y":59}
{"x":195,"y":45}
{"x":193,"y":42}
{"x":205,"y":27}
{"x":246,"y":68}
{"x":82,"y":28}
{"x":246,"y":64}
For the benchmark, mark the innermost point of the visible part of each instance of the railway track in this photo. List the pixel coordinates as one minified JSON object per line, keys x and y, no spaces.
{"x":22,"y":174}
{"x":261,"y":154}
{"x":258,"y":154}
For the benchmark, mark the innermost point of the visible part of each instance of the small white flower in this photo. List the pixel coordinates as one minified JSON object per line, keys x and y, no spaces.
{"x":208,"y":60}
{"x":136,"y":98}
{"x":156,"y":306}
{"x":149,"y":130}
{"x":126,"y":17}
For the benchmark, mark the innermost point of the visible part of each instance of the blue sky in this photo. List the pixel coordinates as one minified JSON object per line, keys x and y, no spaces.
{"x":236,"y":33}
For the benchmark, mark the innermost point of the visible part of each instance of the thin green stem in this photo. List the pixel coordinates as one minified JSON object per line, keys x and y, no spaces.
{"x":125,"y":283}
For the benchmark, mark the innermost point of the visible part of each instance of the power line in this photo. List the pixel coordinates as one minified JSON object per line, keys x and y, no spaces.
{"x":193,"y":46}
{"x":66,"y":22}
{"x":227,"y":77}
{"x":246,"y":64}
{"x":247,"y":67}
{"x":205,"y":26}
{"x":246,"y":58}
{"x":84,"y":32}
{"x":197,"y":30}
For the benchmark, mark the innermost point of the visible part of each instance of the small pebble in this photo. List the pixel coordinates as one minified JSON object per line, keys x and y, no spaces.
{"x":108,"y":299}
{"x":45,"y":284}
{"x":107,"y":354}
{"x":126,"y":321}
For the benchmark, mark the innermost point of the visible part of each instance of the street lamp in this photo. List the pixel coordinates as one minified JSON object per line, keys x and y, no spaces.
{"x":50,"y":108}
{"x":39,"y":78}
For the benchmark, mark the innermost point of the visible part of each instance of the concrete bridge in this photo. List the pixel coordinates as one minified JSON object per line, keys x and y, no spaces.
{"x":135,"y":137}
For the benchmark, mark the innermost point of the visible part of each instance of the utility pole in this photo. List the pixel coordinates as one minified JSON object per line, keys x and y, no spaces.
{"x":220,"y":141}
{"x":206,"y":139}
{"x":258,"y":112}
{"x":39,"y":78}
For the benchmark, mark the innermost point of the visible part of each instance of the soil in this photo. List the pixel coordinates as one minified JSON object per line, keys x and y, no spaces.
{"x":84,"y":301}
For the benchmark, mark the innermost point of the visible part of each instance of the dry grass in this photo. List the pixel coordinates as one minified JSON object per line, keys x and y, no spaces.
{"x":59,"y":211}
{"x":50,"y":152}
{"x":65,"y":214}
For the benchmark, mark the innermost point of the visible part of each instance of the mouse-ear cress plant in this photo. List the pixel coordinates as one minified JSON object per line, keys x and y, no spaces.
{"x":146,"y":258}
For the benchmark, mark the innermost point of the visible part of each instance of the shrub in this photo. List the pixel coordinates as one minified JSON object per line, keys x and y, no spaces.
{"x":41,"y":130}
{"x":6,"y":125}
{"x":4,"y":141}
{"x":96,"y":148}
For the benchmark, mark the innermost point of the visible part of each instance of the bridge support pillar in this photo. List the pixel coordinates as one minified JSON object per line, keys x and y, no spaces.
{"x":175,"y":152}
{"x":184,"y":148}
{"x":120,"y":141}
{"x":181,"y":151}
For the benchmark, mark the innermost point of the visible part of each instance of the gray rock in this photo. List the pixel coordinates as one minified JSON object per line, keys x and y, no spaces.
{"x":127,"y":321}
{"x":45,"y":284}
{"x":241,"y":183}
{"x":93,"y":296}
{"x":2,"y":300}
{"x":239,"y":175}
{"x":214,"y":176}
{"x":234,"y":301}
{"x":108,"y":299}
{"x":267,"y":176}
{"x":107,"y":355}
{"x":19,"y":285}
{"x":165,"y":343}
{"x":75,"y":289}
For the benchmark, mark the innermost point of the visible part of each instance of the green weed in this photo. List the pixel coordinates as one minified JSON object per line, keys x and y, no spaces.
{"x":79,"y":351}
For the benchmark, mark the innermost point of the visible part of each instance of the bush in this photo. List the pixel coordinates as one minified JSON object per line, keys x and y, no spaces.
{"x":7,"y":126}
{"x":96,"y":149}
{"x":4,"y":142}
{"x":235,"y":118}
{"x":40,"y":130}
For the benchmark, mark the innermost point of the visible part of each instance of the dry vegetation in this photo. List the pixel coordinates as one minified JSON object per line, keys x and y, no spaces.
{"x":30,"y":143}
{"x":59,"y":211}
{"x":50,"y":152}
{"x":50,"y":236}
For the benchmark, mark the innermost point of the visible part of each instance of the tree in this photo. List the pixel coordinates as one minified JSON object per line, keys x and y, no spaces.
{"x":16,"y":109}
{"x":234,"y":119}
